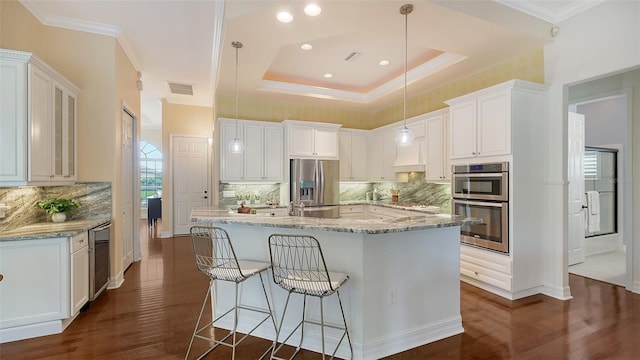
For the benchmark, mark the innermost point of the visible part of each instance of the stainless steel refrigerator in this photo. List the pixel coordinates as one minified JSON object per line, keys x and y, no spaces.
{"x":316,"y":184}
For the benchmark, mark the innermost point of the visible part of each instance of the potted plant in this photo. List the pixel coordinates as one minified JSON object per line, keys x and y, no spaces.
{"x":239,"y":199}
{"x":58,"y":207}
{"x":256,"y":199}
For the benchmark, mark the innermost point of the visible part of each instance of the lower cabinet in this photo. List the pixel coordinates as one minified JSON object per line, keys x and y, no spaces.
{"x":484,"y":268}
{"x":44,"y":282}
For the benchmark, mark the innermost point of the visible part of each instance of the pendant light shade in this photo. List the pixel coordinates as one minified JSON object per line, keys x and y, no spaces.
{"x":236,"y":146}
{"x":404,"y":136}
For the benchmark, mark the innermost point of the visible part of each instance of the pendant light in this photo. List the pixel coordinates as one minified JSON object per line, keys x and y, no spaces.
{"x":236,"y":146}
{"x":404,"y":136}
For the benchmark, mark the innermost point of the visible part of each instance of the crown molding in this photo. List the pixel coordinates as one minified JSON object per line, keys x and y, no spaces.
{"x":548,"y":14}
{"x":432,"y":66}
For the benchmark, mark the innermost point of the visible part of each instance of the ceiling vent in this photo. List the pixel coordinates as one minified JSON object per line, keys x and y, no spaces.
{"x":180,"y":89}
{"x":354,"y":55}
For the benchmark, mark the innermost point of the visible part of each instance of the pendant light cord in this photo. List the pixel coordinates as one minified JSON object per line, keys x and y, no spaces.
{"x":406,"y":45}
{"x":237,"y":45}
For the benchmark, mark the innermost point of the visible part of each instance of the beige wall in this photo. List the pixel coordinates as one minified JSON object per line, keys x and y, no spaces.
{"x":98,"y":66}
{"x":529,"y":66}
{"x":180,"y":120}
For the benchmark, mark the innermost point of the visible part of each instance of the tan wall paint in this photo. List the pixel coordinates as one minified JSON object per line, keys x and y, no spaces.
{"x":180,"y":120}
{"x":96,"y":64}
{"x":528,"y":66}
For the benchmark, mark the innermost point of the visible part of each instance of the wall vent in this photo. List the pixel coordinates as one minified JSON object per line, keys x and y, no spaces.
{"x":180,"y":89}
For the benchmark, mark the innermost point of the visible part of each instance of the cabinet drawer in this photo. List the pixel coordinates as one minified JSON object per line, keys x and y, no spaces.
{"x":78,"y":242}
{"x":486,"y":259}
{"x":488,"y":276}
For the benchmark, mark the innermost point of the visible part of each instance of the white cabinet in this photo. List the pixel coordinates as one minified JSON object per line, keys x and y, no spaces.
{"x":382,"y":154}
{"x":79,"y":290}
{"x":481,"y":124}
{"x":311,"y":139}
{"x":353,"y":155}
{"x":37,"y":122}
{"x":35,"y":284}
{"x":437,"y":148}
{"x":262,"y":159}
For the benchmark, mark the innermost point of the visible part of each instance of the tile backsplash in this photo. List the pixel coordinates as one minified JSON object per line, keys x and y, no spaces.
{"x":94,"y":199}
{"x":416,"y":190}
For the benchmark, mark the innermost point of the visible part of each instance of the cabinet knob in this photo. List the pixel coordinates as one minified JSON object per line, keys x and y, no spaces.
{"x":475,"y":272}
{"x":1,"y":277}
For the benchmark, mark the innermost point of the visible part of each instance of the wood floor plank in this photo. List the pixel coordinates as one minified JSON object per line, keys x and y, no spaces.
{"x":151,"y":316}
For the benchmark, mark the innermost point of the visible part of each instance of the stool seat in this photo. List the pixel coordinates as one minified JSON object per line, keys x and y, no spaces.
{"x":244,"y":269}
{"x":313,"y":287}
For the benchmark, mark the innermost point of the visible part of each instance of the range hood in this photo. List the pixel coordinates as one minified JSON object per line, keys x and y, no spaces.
{"x":410,"y":159}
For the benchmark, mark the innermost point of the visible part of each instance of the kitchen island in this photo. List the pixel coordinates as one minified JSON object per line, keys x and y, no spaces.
{"x":403,"y":291}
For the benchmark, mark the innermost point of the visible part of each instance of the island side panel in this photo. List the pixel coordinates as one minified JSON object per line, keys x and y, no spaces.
{"x":411,"y":289}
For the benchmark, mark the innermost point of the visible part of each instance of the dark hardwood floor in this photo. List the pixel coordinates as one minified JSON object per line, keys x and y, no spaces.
{"x":151,"y":316}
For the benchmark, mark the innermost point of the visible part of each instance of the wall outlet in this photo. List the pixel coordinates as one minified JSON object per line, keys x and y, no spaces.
{"x":392,"y":297}
{"x":228,"y":194}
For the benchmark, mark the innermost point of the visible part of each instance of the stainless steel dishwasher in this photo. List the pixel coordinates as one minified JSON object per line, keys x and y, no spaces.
{"x":99,"y":239}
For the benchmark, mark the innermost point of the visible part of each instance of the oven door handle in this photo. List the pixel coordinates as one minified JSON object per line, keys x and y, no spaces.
{"x":476,"y":175}
{"x":480,"y":203}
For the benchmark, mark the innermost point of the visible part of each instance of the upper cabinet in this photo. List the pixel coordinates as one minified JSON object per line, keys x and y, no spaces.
{"x":311,"y":139}
{"x":353,"y":155}
{"x":382,"y":153}
{"x":38,"y":108}
{"x":262,"y":159}
{"x":437,"y":147}
{"x":481,"y":122}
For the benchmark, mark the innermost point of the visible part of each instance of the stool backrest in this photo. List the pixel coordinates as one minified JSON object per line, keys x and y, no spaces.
{"x":214,"y":253}
{"x":298,"y":264}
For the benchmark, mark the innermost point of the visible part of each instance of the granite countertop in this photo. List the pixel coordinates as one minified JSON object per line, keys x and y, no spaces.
{"x":368,"y":226}
{"x":51,"y":229}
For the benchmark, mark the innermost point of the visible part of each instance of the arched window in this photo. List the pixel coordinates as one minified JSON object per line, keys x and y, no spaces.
{"x":150,"y":172}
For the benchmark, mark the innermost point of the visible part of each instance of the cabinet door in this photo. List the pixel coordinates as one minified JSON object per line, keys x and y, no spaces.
{"x":389,"y":154}
{"x":80,"y":279}
{"x":35,"y":287}
{"x":494,"y":124}
{"x":344,"y":140}
{"x":446,"y":148}
{"x":301,"y":141}
{"x":273,"y":153}
{"x":59,"y":144}
{"x":463,"y":130}
{"x":253,"y":152}
{"x":41,"y":126}
{"x":435,"y":147}
{"x":70,"y":154}
{"x":359,"y":156}
{"x":374,"y":152}
{"x":13,"y":115}
{"x":326,"y":143}
{"x":232,"y":165}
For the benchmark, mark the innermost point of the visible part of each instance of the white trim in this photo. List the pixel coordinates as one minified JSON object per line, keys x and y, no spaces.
{"x":560,"y":293}
{"x":116,"y":282}
{"x":216,"y":54}
{"x":166,"y":234}
{"x":135,"y":176}
{"x":30,"y":331}
{"x":432,"y":66}
{"x":542,"y":12}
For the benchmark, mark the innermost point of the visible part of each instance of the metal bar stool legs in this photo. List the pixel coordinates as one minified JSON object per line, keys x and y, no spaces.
{"x":216,"y":259}
{"x":298,"y":267}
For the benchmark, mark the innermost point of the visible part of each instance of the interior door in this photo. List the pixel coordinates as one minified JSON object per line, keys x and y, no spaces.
{"x":127,"y":188}
{"x":190,"y":158}
{"x":575,"y":177}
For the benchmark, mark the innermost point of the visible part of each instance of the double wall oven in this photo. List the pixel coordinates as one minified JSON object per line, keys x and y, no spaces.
{"x":482,"y":191}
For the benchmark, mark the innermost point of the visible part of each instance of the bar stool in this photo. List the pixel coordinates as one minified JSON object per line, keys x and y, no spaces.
{"x":298,"y":266}
{"x":216,"y":259}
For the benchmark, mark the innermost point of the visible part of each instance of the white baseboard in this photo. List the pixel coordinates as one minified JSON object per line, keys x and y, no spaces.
{"x":30,"y":331}
{"x":372,"y":349}
{"x":635,"y":287}
{"x":116,"y":282}
{"x":166,"y":234}
{"x":558,"y":292}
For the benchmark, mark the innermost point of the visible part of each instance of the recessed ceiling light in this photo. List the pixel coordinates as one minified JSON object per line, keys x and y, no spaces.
{"x":312,"y":10}
{"x":328,"y":76}
{"x":383,"y":62}
{"x":285,"y":17}
{"x":306,"y":47}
